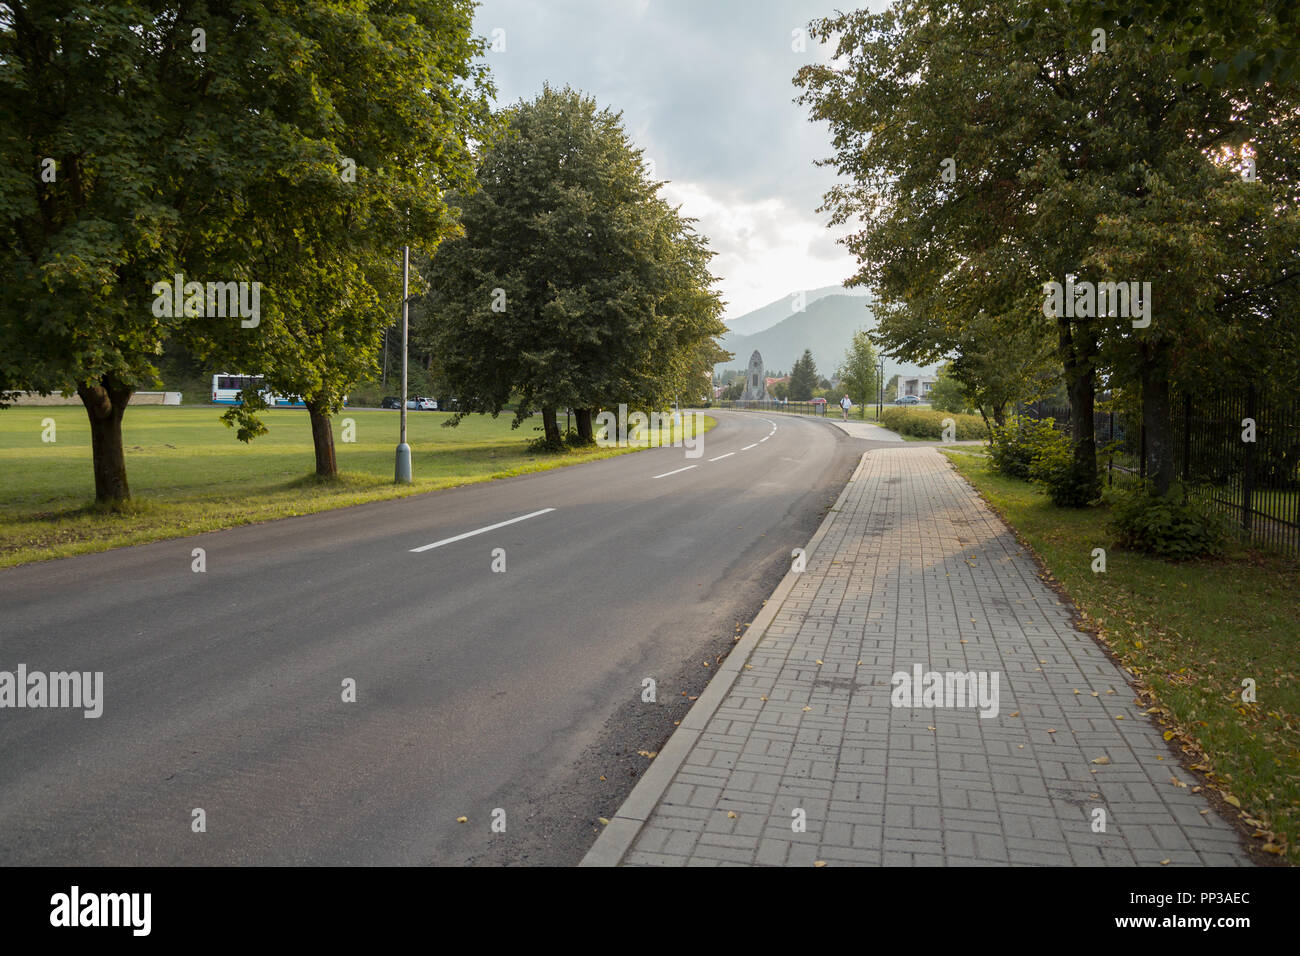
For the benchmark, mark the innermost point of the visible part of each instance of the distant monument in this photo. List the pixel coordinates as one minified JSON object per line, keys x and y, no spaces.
{"x":755,"y":383}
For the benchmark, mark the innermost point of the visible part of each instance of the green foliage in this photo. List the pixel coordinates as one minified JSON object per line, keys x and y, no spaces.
{"x":222,"y":164}
{"x":575,"y":284}
{"x":1069,"y":482}
{"x":244,"y":418}
{"x":948,"y":394}
{"x":860,"y":372}
{"x":927,"y":423}
{"x":803,"y":378}
{"x":1014,"y":446}
{"x":1034,"y":450}
{"x":1174,"y":525}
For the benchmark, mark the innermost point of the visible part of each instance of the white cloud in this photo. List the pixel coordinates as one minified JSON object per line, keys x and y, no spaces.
{"x":765,"y":248}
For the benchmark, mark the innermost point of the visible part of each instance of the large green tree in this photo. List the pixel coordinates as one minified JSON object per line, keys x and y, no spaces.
{"x":987,"y":161}
{"x":575,"y":284}
{"x":141,"y":141}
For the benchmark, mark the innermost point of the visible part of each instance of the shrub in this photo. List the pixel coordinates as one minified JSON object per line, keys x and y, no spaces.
{"x":1012,"y":447}
{"x":1033,"y":450}
{"x":1170,"y":526}
{"x":1068,"y":484}
{"x":926,"y":423}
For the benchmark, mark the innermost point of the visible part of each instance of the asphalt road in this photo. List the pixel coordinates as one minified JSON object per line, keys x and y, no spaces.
{"x":475,"y":690}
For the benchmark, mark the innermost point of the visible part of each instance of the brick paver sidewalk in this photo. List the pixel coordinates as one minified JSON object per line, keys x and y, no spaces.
{"x":916,"y":570}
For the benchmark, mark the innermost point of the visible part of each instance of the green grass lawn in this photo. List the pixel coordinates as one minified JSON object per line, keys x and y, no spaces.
{"x":1191,"y":633}
{"x":189,"y":474}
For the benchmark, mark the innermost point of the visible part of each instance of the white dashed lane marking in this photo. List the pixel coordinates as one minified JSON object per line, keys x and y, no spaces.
{"x":491,"y":527}
{"x":677,"y":472}
{"x":720,"y":457}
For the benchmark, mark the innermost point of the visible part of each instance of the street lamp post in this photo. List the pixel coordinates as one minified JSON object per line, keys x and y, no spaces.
{"x":880,"y":394}
{"x":402,"y":472}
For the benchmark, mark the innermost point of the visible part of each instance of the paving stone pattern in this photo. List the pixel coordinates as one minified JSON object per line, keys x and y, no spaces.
{"x":916,"y":569}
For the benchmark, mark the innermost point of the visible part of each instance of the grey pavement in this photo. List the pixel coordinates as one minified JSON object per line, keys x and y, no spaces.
{"x":912,"y":568}
{"x":857,"y":428}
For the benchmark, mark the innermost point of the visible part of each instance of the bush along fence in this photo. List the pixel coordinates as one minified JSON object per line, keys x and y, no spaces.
{"x":1238,"y":451}
{"x":794,"y":408}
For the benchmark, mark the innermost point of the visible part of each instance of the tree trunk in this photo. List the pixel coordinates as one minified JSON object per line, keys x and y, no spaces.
{"x":1080,"y":381}
{"x":585,"y":433}
{"x":1156,"y":421}
{"x":105,"y":405}
{"x":1000,"y":414}
{"x":322,"y":437}
{"x":550,"y":426}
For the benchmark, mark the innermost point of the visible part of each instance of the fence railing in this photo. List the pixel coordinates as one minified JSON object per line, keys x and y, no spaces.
{"x":1238,"y":451}
{"x":793,"y":408}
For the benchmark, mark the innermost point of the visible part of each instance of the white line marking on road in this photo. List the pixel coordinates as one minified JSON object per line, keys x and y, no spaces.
{"x":677,"y":472}
{"x":748,"y":447}
{"x":720,"y":457}
{"x":470,"y":534}
{"x":765,"y":438}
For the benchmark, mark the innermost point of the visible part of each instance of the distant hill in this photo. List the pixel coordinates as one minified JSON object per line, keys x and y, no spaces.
{"x":825,"y":326}
{"x":769,"y":315}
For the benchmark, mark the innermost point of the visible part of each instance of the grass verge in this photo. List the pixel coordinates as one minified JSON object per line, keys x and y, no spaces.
{"x":1191,"y":634}
{"x":188,"y":474}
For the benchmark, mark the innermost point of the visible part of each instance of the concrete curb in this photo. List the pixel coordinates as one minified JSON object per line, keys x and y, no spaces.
{"x":617,"y":838}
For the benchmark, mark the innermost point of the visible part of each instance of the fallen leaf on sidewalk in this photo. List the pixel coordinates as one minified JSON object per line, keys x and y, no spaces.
{"x":1165,"y":862}
{"x":806,"y":709}
{"x":1014,"y":713}
{"x":1051,"y":730}
{"x":603,"y":821}
{"x":731,"y":814}
{"x":1176,"y":782}
{"x":819,"y":863}
{"x":649,"y":753}
{"x":1102,"y":761}
{"x":462,"y":819}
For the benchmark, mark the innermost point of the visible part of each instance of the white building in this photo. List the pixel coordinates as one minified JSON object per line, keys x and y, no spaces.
{"x":918,"y":385}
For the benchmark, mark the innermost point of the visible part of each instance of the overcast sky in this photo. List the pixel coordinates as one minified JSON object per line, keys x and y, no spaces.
{"x":705,"y":89}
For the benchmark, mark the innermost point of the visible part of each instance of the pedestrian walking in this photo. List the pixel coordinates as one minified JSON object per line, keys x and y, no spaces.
{"x":845,"y":405}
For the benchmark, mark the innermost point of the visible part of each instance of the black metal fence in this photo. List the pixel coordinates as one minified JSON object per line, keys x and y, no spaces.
{"x":794,"y":408}
{"x":1239,"y":451}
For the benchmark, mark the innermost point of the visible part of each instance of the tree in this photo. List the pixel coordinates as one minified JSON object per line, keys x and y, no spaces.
{"x":1224,"y":41}
{"x":860,"y":372}
{"x":948,"y":394}
{"x":142,"y":141}
{"x":891,"y":388}
{"x":574,"y":283}
{"x":803,"y":378}
{"x":987,"y":161}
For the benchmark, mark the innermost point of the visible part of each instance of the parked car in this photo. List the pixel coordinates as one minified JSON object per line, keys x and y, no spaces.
{"x":421,"y":404}
{"x":907,"y":400}
{"x":391,"y":402}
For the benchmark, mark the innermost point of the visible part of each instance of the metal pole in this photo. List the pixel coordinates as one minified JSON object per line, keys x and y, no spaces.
{"x":402,"y":472}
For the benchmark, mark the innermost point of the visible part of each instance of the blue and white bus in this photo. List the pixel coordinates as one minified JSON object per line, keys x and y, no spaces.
{"x":226,"y":389}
